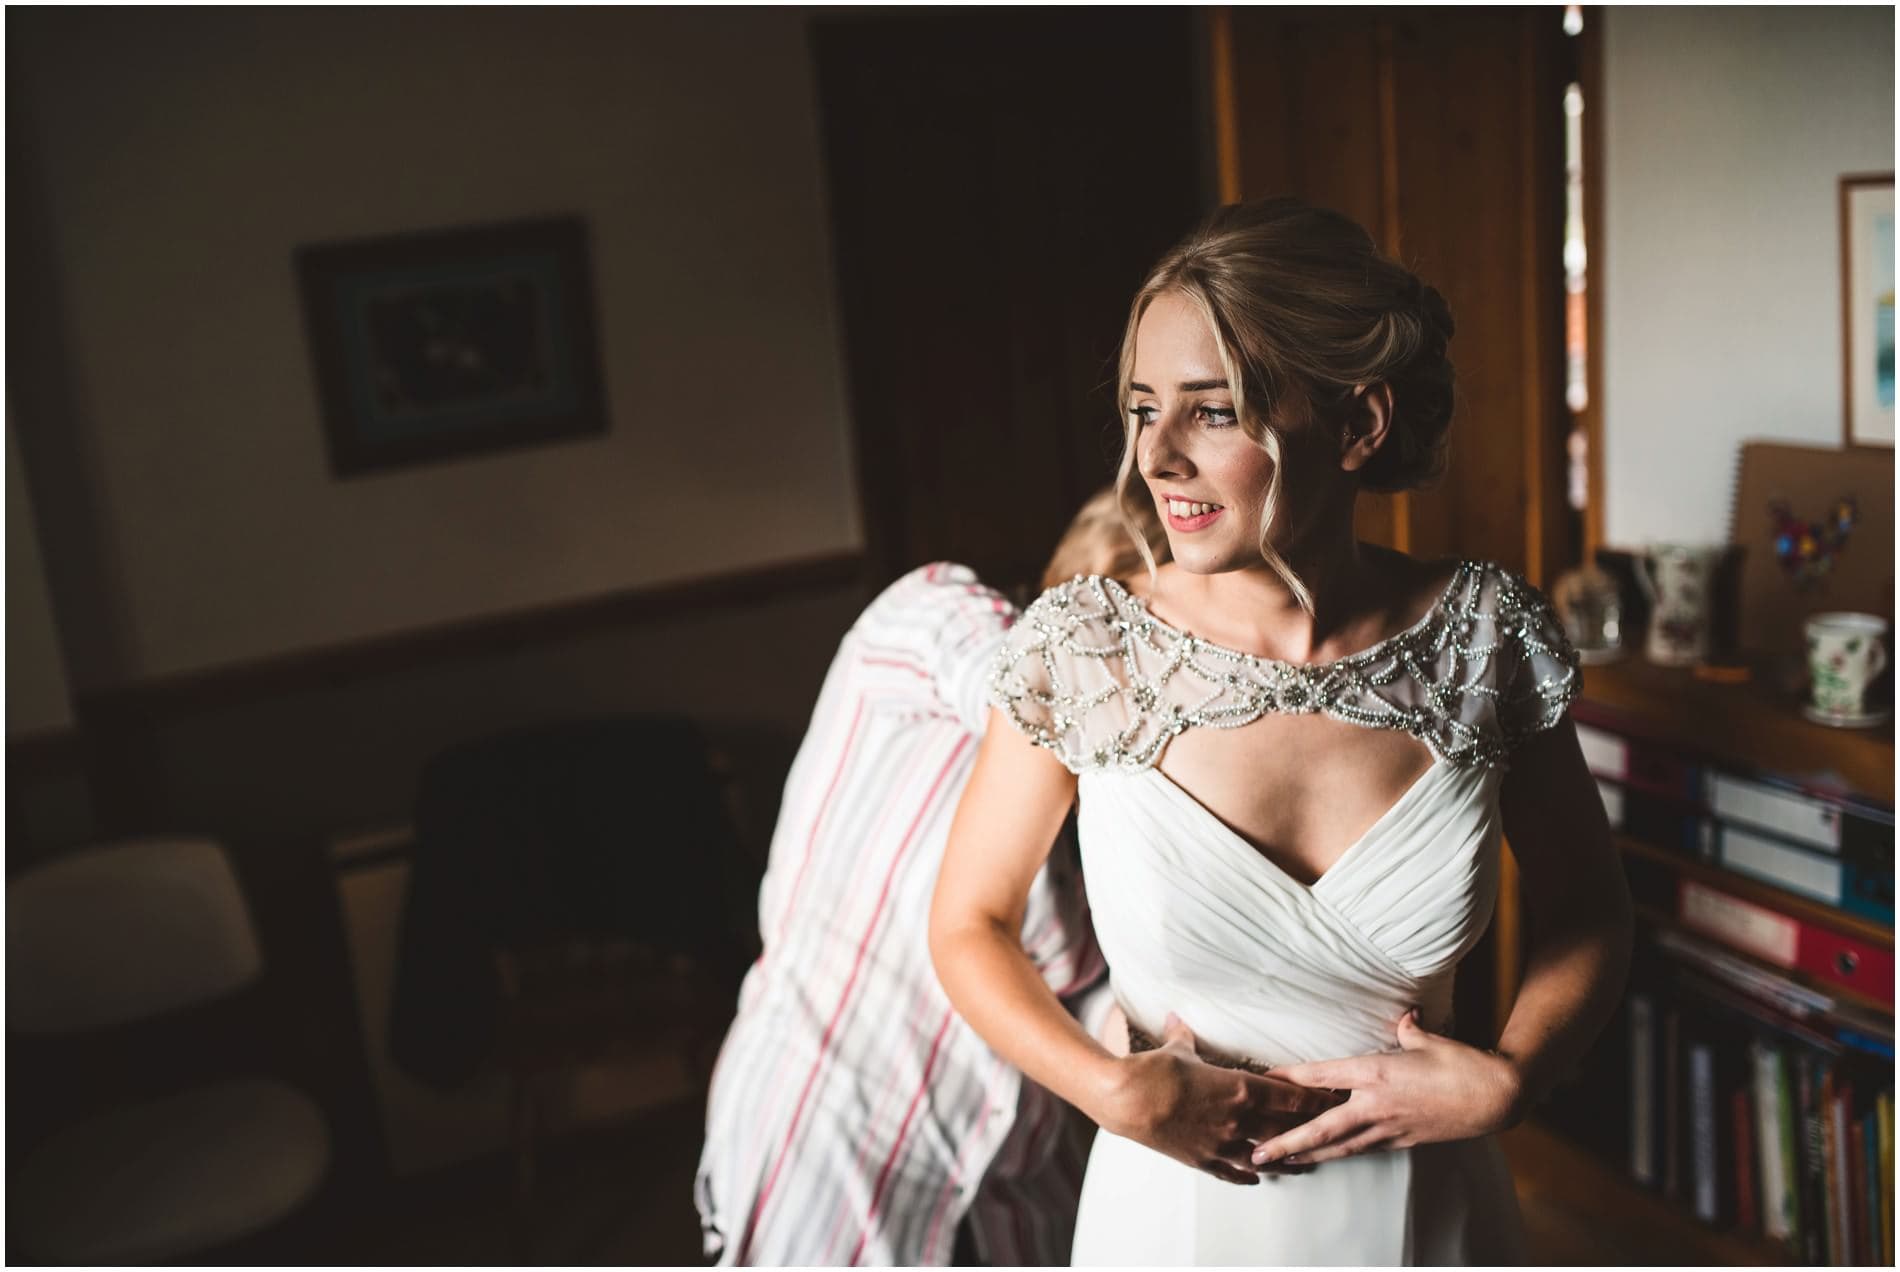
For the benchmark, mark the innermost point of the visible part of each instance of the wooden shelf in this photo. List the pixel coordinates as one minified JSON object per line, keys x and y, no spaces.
{"x":1756,"y":724}
{"x":1550,"y":1167}
{"x":1808,"y":911}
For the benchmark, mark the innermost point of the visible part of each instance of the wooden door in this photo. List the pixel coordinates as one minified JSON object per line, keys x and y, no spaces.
{"x":999,"y":184}
{"x":1440,"y":131}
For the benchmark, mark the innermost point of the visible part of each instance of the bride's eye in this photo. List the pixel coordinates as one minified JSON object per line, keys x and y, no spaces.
{"x":1143,"y":415}
{"x":1219,"y":416}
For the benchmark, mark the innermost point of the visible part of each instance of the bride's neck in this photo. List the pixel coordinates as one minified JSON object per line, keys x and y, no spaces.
{"x":1263,"y":613}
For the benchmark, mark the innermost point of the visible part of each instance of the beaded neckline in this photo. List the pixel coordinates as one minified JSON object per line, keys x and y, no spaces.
{"x":1091,"y":674}
{"x":1460,"y":571}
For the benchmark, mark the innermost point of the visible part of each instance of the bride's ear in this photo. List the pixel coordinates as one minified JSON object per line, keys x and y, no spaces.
{"x":1367,"y":424}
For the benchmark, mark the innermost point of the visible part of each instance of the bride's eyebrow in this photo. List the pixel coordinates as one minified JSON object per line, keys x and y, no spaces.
{"x":1186,"y":386}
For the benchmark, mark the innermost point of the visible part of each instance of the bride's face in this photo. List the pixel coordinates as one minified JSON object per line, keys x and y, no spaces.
{"x":1208,"y":479}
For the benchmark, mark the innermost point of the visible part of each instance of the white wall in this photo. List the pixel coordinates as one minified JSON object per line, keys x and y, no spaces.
{"x":1725,"y":133}
{"x":37,"y":694}
{"x":188,"y":152}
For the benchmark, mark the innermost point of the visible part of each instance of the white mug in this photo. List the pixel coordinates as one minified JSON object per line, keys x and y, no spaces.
{"x":1679,"y":580}
{"x":1846,"y":653}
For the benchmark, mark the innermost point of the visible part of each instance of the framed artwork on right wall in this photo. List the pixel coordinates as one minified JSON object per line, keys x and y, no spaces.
{"x":1867,"y":308}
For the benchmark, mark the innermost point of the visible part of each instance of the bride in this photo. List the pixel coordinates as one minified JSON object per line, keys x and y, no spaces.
{"x":1294,"y":755}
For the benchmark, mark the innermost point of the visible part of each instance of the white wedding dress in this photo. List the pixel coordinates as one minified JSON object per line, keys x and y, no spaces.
{"x":1196,"y":922}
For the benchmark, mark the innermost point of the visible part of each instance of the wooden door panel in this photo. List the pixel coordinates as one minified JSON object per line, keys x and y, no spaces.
{"x":1439,"y":131}
{"x":1306,"y":87}
{"x":999,"y":184}
{"x":1457,"y":154}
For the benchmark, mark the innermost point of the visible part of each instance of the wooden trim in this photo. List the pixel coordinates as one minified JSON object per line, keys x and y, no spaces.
{"x":1390,"y":221}
{"x":1590,"y":77}
{"x":1756,"y":725}
{"x":191,"y":692}
{"x":1533,"y":261}
{"x":1508,"y":926}
{"x":1847,"y":184}
{"x":1220,"y":34}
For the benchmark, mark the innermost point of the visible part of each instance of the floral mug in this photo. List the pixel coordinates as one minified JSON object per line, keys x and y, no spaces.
{"x":1846,"y":653}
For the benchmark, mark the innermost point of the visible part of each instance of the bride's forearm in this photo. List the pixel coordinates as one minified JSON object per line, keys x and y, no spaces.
{"x":1577,"y":912}
{"x":1572,"y":982}
{"x":996,"y":988}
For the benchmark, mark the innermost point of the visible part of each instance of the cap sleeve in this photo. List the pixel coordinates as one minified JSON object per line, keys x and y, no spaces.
{"x":1537,"y":666}
{"x":1060,"y":674}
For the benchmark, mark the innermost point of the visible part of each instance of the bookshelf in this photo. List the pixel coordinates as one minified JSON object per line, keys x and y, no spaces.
{"x":1756,"y":723}
{"x":1547,"y":1165}
{"x":1752,"y":727}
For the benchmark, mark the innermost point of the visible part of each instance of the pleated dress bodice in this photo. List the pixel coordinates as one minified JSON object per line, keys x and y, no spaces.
{"x":1196,"y":922}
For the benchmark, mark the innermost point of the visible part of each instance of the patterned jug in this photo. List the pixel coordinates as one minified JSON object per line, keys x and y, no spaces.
{"x":1679,"y":580}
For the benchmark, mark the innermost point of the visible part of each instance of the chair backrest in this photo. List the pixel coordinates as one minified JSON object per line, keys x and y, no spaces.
{"x":124,"y":931}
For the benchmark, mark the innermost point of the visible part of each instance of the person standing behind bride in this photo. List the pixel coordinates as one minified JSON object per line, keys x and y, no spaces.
{"x":852,"y":1117}
{"x":1294,"y":753}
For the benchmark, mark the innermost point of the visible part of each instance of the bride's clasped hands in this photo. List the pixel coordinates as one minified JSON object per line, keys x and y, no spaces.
{"x":1202,"y":1114}
{"x":1431,"y":1090}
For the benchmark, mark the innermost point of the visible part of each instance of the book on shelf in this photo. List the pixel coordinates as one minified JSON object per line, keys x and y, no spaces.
{"x":1705,"y":1191}
{"x":1816,"y":950}
{"x":1742,"y":1157}
{"x":1815,"y":1017}
{"x":1741,"y":1104}
{"x":1643,"y":1158}
{"x":1637,"y":763}
{"x":1828,"y":847}
{"x":1801,"y":834}
{"x":1812,"y":1152}
{"x":1883,"y":1163}
{"x":1774,"y":1142}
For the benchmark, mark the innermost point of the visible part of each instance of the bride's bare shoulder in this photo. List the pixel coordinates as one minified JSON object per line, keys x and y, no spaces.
{"x":1415,"y":584}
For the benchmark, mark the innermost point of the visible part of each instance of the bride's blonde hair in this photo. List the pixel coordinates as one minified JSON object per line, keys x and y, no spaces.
{"x":1304,"y":310}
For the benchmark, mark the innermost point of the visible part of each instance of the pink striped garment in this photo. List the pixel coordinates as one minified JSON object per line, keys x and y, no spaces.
{"x":854,"y":1118}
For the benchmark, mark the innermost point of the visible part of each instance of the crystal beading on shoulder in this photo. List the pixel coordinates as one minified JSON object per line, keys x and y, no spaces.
{"x":1091,"y":675}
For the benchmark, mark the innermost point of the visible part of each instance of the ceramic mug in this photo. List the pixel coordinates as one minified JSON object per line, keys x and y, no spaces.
{"x":1679,"y":581}
{"x":1846,"y":653}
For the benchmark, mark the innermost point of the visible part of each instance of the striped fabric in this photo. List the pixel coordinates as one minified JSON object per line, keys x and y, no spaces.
{"x":854,"y":1118}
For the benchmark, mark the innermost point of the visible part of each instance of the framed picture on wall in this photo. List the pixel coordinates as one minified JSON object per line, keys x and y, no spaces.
{"x":452,"y":342}
{"x":1867,"y":299}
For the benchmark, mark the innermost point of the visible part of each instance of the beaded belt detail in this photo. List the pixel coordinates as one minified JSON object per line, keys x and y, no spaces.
{"x":1141,"y":1040}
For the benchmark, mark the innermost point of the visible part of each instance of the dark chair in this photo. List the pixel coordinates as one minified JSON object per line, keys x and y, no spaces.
{"x":579,"y":893}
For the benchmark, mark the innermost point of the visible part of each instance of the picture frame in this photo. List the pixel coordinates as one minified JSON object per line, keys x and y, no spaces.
{"x":445,"y":343}
{"x":1867,"y":322}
